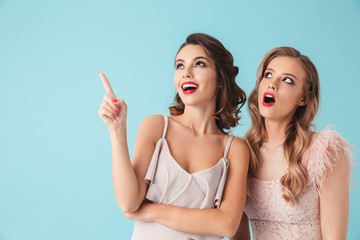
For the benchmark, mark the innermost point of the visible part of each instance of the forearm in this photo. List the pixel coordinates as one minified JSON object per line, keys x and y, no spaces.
{"x":124,"y":179}
{"x":243,"y":232}
{"x":199,"y":221}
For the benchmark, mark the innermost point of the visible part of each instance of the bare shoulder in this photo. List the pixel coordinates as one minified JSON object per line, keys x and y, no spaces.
{"x":239,"y":151}
{"x":152,"y":127}
{"x":155,"y":119}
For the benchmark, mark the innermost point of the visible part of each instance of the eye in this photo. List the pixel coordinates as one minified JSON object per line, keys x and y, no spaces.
{"x":179,"y":65}
{"x":200,"y":64}
{"x":288,"y":80}
{"x":268,"y":75}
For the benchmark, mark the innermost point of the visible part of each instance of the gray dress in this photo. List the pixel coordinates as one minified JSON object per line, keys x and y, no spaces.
{"x":170,"y":184}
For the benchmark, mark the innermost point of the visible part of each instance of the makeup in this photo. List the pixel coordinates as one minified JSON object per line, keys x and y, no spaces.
{"x":268,"y":99}
{"x":189,"y":87}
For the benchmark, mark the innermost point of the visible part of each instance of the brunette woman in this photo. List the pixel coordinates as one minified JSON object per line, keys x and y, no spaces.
{"x":181,"y":162}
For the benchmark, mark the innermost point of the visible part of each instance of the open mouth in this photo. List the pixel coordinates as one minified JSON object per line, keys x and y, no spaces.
{"x":189,"y":87}
{"x":268,"y":99}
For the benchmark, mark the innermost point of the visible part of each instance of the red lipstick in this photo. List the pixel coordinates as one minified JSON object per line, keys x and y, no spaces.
{"x":189,"y":87}
{"x":268,"y":99}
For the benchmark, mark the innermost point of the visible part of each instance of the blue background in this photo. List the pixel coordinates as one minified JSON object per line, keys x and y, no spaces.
{"x":55,"y":158}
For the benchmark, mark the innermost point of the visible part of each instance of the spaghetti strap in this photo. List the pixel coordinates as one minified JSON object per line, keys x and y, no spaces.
{"x":165,"y":125}
{"x":228,"y":145}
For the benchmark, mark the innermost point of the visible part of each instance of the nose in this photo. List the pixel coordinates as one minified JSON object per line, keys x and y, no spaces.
{"x":187,"y":73}
{"x":272,"y":84}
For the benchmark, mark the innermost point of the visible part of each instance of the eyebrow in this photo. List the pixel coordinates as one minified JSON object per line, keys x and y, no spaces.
{"x":283,"y":73}
{"x":199,"y":57}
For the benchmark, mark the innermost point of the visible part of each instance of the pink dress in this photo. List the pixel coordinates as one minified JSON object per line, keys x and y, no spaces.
{"x":170,"y":184}
{"x":271,"y":217}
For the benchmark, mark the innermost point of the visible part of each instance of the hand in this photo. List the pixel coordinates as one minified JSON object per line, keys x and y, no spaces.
{"x":143,"y":213}
{"x":113,"y":110}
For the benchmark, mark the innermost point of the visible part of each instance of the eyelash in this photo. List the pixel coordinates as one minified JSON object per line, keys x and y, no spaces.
{"x":265,"y":74}
{"x":291,"y":81}
{"x":178,"y":65}
{"x":199,"y":63}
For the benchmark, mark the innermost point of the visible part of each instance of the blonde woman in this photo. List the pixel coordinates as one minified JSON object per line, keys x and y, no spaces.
{"x":299,"y":180}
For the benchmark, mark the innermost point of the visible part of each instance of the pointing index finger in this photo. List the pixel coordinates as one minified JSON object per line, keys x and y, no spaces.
{"x":106,"y":84}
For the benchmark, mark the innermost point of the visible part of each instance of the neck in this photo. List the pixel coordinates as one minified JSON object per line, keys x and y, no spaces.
{"x":276,"y":132}
{"x":200,"y":120}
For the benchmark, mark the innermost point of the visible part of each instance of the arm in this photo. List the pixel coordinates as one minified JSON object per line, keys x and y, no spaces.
{"x":334,"y":200}
{"x":223,"y":221}
{"x":127,"y":177}
{"x":243,"y":232}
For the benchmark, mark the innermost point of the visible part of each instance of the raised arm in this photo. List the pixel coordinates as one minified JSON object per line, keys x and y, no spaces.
{"x":223,"y":221}
{"x":127,"y":177}
{"x":334,"y":199}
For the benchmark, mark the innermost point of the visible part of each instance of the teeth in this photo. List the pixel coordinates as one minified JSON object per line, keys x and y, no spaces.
{"x":268,"y":98}
{"x":185,"y":86}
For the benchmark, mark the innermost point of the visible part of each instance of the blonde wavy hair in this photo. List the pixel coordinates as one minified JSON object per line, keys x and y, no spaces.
{"x":298,"y":131}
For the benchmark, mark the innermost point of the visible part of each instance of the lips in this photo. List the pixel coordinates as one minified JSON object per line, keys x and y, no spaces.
{"x":268,"y":99}
{"x":189,"y":87}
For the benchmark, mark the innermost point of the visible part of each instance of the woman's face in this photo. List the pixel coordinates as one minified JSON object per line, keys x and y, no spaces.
{"x":281,"y":90}
{"x":195,"y":76}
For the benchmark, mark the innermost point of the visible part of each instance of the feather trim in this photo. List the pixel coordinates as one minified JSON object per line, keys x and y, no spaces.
{"x":324,"y":152}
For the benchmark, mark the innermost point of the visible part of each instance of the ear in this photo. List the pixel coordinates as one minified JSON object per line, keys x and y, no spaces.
{"x":302,"y":102}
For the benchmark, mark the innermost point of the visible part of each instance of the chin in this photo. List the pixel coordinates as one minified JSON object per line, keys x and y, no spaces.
{"x":190,"y":102}
{"x":267,"y":113}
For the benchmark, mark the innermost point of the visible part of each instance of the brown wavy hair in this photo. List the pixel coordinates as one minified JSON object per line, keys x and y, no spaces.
{"x":298,"y":131}
{"x":230,"y":97}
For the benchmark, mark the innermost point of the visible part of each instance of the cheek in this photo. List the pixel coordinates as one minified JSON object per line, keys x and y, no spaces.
{"x":176,"y":79}
{"x":214,"y":80}
{"x":294,"y":96}
{"x":260,"y":91}
{"x":262,"y":85}
{"x":208,"y":80}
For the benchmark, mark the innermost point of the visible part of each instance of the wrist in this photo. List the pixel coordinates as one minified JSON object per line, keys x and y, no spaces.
{"x":154,"y":212}
{"x":118,"y":130}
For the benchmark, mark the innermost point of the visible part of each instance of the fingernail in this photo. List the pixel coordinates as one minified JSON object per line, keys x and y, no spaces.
{"x":114,"y":100}
{"x":114,"y":117}
{"x":116,"y":108}
{"x":117,"y":114}
{"x":99,"y":72}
